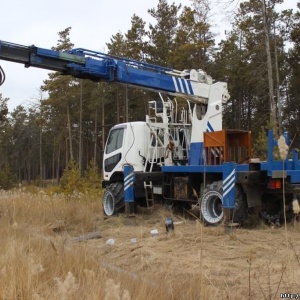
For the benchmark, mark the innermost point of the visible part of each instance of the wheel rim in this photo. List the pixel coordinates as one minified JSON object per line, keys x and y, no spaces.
{"x":108,"y":203}
{"x":212,"y":207}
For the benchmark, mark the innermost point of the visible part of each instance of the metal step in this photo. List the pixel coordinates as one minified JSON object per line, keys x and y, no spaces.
{"x":149,"y":194}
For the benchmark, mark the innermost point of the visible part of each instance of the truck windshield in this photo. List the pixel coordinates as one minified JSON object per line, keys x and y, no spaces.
{"x":115,"y":140}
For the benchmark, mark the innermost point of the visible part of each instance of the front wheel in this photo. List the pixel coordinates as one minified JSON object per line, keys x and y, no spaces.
{"x":211,"y":205}
{"x":113,"y":199}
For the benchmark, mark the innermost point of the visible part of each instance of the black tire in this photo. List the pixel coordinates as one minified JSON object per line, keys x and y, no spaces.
{"x":272,"y":211}
{"x":240,"y":213}
{"x":211,"y":206}
{"x":113,"y":199}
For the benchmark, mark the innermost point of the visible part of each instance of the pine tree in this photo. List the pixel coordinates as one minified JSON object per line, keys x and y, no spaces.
{"x":243,"y":56}
{"x":292,"y":107}
{"x":162,"y":34}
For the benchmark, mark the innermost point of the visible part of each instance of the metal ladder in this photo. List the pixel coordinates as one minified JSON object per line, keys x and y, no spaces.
{"x":149,"y":194}
{"x":155,"y":152}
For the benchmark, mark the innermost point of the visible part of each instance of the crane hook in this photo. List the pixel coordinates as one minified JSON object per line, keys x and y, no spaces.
{"x":2,"y":76}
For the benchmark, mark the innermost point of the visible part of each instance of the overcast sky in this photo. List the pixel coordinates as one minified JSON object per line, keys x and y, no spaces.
{"x":93,"y":22}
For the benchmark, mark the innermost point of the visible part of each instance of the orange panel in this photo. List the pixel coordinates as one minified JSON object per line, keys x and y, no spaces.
{"x":227,"y":145}
{"x":213,"y":139}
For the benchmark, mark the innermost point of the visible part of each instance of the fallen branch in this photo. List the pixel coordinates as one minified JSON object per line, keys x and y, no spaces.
{"x":88,"y":236}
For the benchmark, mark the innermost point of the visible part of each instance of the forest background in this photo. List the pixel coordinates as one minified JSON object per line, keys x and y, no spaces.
{"x":259,"y":58}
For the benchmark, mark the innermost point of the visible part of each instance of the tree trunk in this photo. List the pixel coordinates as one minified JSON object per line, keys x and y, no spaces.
{"x":53,"y":162}
{"x":118,"y":107}
{"x":126,"y":105}
{"x":95,"y":138}
{"x":41,"y":159}
{"x":80,"y":132}
{"x":277,"y":88}
{"x":70,"y":132}
{"x":58,"y":164}
{"x":103,"y":130}
{"x":270,"y":73}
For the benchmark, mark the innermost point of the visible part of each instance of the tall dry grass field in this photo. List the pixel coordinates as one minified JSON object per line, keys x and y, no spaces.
{"x":40,"y":259}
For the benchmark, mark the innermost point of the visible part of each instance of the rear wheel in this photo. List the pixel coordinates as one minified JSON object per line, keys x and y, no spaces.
{"x":113,"y":199}
{"x":272,"y":210}
{"x":211,"y":205}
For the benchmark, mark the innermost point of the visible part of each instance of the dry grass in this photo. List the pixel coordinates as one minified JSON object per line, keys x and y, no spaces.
{"x":193,"y":262}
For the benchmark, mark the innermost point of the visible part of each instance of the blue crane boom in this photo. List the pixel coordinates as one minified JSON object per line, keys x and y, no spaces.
{"x":97,"y":66}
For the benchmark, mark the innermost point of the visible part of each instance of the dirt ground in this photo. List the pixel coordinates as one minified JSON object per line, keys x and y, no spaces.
{"x":254,"y":262}
{"x":39,"y":252}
